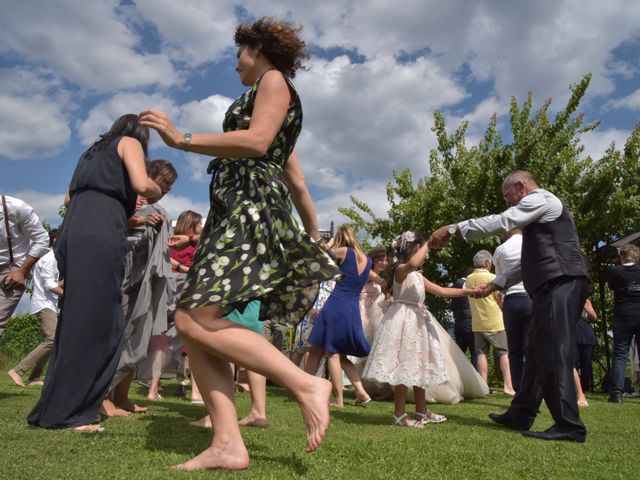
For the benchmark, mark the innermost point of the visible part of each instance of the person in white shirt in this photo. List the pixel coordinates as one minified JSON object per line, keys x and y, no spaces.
{"x":516,"y":304}
{"x":23,"y":240}
{"x":44,"y":304}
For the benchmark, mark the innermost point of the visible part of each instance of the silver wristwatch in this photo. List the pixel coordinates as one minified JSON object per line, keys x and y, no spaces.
{"x":186,"y":138}
{"x":453,"y":229}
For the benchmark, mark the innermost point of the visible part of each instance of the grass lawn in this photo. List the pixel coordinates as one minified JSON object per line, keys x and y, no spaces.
{"x":361,"y":443}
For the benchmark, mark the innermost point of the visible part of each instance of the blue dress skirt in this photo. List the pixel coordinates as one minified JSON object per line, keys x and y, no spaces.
{"x":338,"y":328}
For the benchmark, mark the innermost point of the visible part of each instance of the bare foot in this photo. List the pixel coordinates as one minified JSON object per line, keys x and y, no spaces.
{"x":129,"y":406}
{"x":92,"y":428}
{"x":225,"y":457}
{"x":35,"y":383}
{"x":252,"y":420}
{"x":314,"y":404}
{"x":509,"y":393}
{"x":154,"y":397}
{"x":17,"y":379}
{"x":243,"y":388}
{"x":204,"y":422}
{"x":110,"y":410}
{"x":335,"y":404}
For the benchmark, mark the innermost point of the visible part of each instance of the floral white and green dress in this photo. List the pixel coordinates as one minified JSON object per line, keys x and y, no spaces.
{"x":251,"y":246}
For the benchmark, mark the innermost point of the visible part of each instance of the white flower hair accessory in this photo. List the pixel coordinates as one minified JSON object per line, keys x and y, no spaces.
{"x":400,"y":244}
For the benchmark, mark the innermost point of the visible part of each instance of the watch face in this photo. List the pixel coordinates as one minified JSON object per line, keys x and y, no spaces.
{"x":452,"y":229}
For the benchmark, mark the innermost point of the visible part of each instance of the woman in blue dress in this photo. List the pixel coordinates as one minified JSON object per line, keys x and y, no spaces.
{"x":337,"y":332}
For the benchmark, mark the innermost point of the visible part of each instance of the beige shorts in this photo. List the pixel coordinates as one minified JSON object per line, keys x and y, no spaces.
{"x":498,"y":340}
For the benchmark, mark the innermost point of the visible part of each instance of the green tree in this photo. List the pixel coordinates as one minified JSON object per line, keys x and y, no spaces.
{"x":465,"y":182}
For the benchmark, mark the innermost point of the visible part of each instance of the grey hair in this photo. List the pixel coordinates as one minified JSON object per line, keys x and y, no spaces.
{"x":480,"y":258}
{"x":519,"y":176}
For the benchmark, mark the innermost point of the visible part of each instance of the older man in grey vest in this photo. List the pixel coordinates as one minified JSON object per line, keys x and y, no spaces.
{"x":555,"y":275}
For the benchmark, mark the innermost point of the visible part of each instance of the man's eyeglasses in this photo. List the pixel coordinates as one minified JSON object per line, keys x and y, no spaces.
{"x":506,"y":194}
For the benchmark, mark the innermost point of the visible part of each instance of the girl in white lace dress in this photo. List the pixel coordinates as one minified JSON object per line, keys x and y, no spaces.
{"x":406,"y":351}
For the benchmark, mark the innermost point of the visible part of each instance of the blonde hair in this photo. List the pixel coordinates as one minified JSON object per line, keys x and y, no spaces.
{"x":345,"y":237}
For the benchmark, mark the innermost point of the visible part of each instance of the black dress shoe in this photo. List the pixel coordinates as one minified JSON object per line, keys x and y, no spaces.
{"x":511,"y":421}
{"x":615,"y":398}
{"x":553,"y":434}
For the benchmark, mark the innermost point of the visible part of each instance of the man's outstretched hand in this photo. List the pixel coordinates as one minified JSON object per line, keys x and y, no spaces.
{"x":439,"y":237}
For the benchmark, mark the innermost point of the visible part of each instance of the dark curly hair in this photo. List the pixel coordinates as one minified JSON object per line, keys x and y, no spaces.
{"x":377,"y":254}
{"x":278,"y":41}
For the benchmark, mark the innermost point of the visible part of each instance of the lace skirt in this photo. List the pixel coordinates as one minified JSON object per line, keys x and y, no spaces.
{"x":406,"y":350}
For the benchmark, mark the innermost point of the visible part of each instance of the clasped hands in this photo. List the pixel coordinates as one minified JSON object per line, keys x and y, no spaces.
{"x":482,"y":291}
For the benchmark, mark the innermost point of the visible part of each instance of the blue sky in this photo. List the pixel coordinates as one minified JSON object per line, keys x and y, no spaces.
{"x":379,"y":70}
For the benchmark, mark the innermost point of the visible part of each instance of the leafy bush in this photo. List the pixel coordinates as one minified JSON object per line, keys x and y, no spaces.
{"x":21,"y":336}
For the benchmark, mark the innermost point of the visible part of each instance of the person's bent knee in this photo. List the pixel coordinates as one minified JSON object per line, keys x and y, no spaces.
{"x":183,"y":322}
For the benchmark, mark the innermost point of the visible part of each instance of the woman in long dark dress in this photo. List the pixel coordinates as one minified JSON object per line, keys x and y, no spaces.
{"x":251,"y":246}
{"x":91,"y":256}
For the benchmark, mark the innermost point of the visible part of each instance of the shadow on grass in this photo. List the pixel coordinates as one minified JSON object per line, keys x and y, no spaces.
{"x":276,"y":391}
{"x":186,"y":409}
{"x":357,"y":417}
{"x":173,"y":435}
{"x":475,"y":421}
{"x":377,"y":419}
{"x":4,"y":395}
{"x":292,"y":461}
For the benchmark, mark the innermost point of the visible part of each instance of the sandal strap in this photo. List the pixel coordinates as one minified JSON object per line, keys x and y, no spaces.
{"x":437,"y":418}
{"x":398,"y":420}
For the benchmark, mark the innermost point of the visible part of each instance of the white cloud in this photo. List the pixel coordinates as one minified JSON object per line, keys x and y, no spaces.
{"x":46,"y":205}
{"x":176,"y":204}
{"x":32,"y":126}
{"x":478,"y":119}
{"x":546,"y":45}
{"x":34,"y":113}
{"x":196,"y":31}
{"x":596,"y":142}
{"x":630,"y":102}
{"x":83,"y":42}
{"x":538,"y":46}
{"x":365,"y":120}
{"x":204,"y":116}
{"x":371,"y":193}
{"x":197,"y":167}
{"x":102,"y":115}
{"x":24,"y":80}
